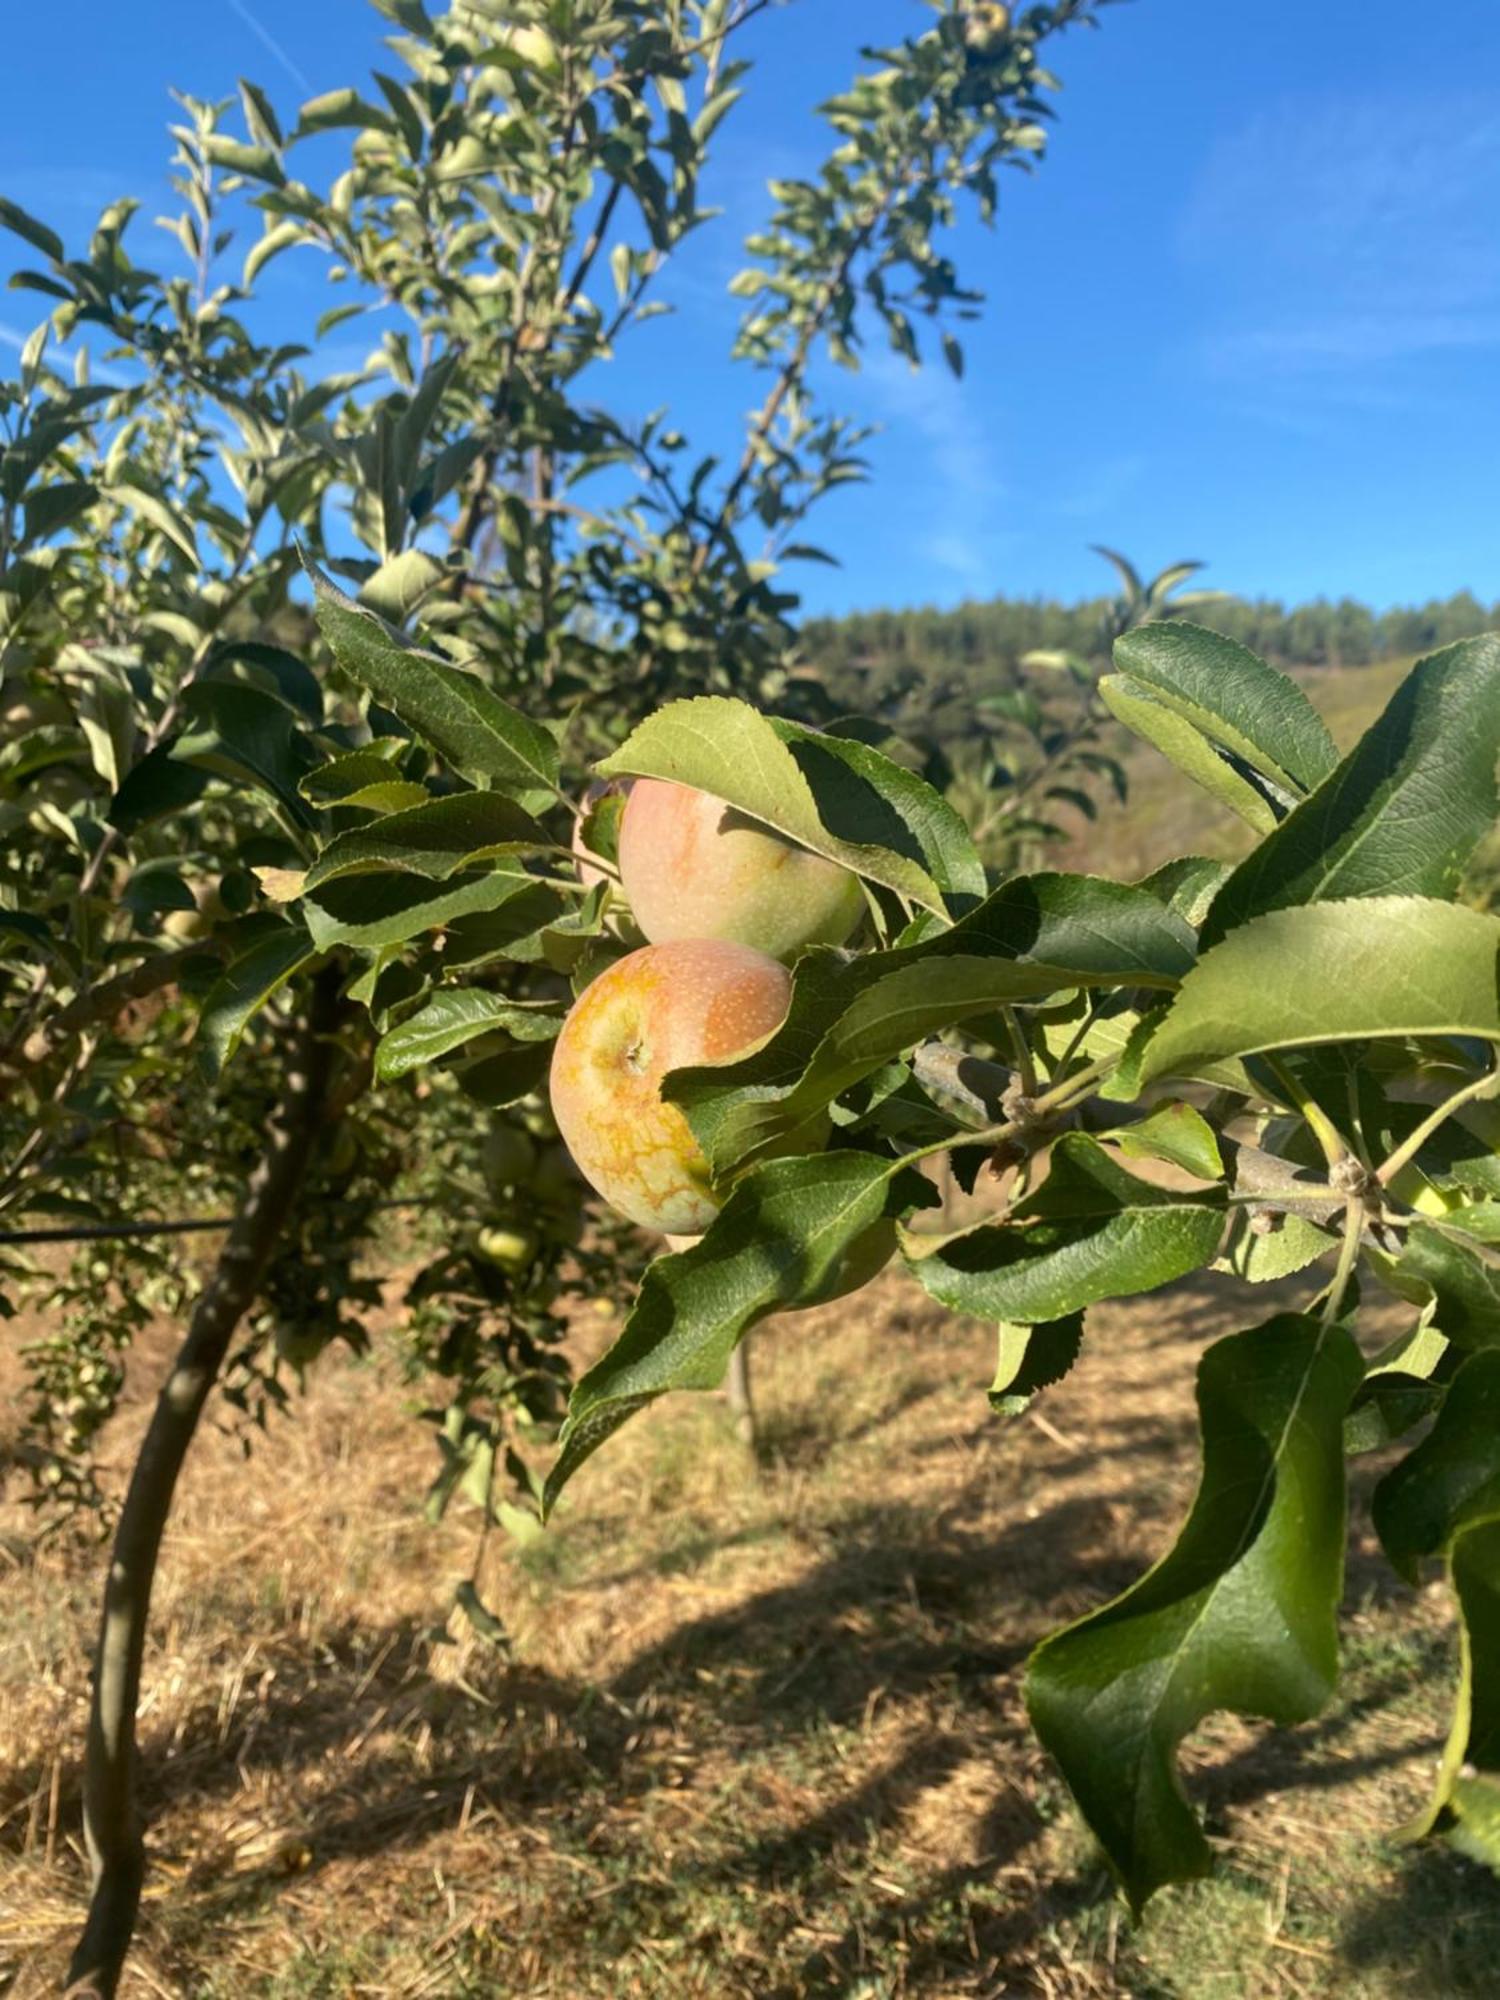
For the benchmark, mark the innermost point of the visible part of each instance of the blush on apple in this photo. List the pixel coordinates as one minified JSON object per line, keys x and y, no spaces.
{"x":694,"y":867}
{"x":690,"y":1001}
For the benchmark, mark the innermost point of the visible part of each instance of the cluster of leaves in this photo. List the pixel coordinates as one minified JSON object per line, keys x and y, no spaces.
{"x":1304,"y":1046}
{"x":1268,"y":1069}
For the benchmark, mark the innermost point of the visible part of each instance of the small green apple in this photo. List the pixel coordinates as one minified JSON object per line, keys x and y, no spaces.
{"x":299,"y":1346}
{"x":512,"y":1249}
{"x":507,"y":1155}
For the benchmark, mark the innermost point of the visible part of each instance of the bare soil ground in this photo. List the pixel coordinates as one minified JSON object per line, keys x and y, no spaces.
{"x":761,"y":1737}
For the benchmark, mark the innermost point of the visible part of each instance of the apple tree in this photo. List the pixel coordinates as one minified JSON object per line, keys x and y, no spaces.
{"x":289,"y":911}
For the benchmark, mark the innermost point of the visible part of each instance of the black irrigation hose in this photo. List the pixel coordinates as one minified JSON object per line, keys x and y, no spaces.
{"x":114,"y":1232}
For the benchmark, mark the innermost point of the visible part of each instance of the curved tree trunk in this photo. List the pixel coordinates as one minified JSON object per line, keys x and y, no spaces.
{"x":112,"y":1820}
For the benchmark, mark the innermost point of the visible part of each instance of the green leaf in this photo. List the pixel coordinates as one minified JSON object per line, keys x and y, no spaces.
{"x":334,"y":108}
{"x":51,"y":508}
{"x":401,"y":583}
{"x":158,"y":514}
{"x":862,"y":794}
{"x":1402,"y":813}
{"x":837,"y":797}
{"x":154,"y":787}
{"x":1030,"y":1359}
{"x":1404,"y":1384}
{"x":1189,"y":750}
{"x":1243,"y":731}
{"x":451,"y":1019}
{"x":1331,"y":972}
{"x":1091,"y":1231}
{"x":1036,"y":935}
{"x":436,"y":840}
{"x":368,"y":911}
{"x":243,"y":989}
{"x":343,"y":778}
{"x":482,"y":1621}
{"x":506,"y":1077}
{"x":1175,"y":1133}
{"x":37,"y":234}
{"x":480,"y":736}
{"x":1289,"y":1246}
{"x":1480,"y":1219}
{"x":1475,"y":1800}
{"x":1459,"y":1282}
{"x":260,"y":114}
{"x":781,"y":1240}
{"x":1452,"y":1478}
{"x":236,"y":157}
{"x":1443,"y":1499}
{"x":250,"y":737}
{"x":1240,"y":1615}
{"x":272,"y":669}
{"x":1188,"y":885}
{"x":281,"y":236}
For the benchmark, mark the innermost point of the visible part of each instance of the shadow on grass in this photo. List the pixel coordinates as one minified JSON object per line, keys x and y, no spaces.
{"x":936,"y":1610}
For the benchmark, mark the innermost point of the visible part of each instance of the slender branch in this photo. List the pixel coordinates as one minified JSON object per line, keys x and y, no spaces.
{"x":1061,"y":1097}
{"x":1484,"y":1086}
{"x":794,"y":368}
{"x":592,"y":247}
{"x":112,"y":1822}
{"x":108,"y":999}
{"x":1322,"y":1127}
{"x":1021,"y":1049}
{"x":1354,"y":1229}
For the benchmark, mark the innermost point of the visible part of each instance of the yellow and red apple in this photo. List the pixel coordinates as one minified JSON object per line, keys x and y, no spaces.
{"x":699,"y":1000}
{"x":694,"y":867}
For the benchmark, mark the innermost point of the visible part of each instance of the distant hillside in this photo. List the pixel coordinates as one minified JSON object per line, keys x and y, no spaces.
{"x":983,"y":640}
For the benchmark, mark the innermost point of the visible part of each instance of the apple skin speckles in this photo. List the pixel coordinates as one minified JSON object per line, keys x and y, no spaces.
{"x":659,"y":1009}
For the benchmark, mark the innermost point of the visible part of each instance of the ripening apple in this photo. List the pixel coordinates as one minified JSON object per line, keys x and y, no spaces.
{"x":689,"y":1001}
{"x":694,"y":867}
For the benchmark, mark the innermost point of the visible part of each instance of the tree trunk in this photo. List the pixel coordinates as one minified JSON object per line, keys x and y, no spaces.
{"x":737,"y":1390}
{"x":112,"y":1820}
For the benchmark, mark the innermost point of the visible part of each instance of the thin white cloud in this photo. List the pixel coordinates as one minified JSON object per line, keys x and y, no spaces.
{"x":961,"y":555}
{"x":1101,"y":489}
{"x":949,"y":480}
{"x":45,"y":190}
{"x":10,"y":338}
{"x":1336,"y":237}
{"x":263,"y":34}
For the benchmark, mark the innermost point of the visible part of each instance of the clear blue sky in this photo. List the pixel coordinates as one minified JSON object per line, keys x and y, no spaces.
{"x":1249,"y":309}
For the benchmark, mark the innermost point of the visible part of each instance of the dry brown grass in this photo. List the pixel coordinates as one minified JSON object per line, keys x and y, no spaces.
{"x":761,"y":1735}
